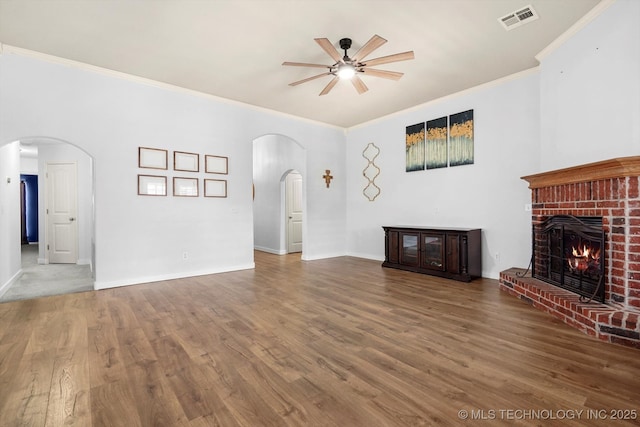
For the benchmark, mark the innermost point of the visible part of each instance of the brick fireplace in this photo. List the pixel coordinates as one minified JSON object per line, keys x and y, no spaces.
{"x":606,"y":190}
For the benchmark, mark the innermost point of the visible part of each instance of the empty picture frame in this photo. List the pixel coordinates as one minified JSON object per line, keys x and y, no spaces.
{"x":152,"y":158}
{"x":185,"y":187}
{"x":216,"y":164}
{"x":152,"y":185}
{"x":215,"y":188}
{"x":186,"y":162}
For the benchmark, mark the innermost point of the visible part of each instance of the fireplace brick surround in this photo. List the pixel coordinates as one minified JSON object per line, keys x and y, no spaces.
{"x":607,"y":189}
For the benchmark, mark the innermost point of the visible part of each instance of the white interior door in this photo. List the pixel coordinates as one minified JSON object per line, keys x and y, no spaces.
{"x":62,"y":207}
{"x":293,"y":185}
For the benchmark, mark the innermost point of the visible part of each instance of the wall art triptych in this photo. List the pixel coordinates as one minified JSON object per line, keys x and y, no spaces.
{"x":441,"y":142}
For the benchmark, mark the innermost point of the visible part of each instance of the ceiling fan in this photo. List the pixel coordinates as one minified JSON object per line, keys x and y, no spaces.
{"x":351,"y":68}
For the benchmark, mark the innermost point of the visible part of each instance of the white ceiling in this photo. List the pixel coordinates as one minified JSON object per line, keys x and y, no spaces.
{"x":234,"y":48}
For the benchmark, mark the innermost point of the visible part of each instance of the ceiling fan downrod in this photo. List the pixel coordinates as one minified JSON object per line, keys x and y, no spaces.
{"x":347,"y":69}
{"x":345,"y":44}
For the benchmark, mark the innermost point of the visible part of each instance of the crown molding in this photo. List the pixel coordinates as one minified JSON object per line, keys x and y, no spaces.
{"x":483,"y":86}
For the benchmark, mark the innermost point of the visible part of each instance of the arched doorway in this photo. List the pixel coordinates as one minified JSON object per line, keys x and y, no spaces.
{"x":274,"y":158}
{"x":39,"y":274}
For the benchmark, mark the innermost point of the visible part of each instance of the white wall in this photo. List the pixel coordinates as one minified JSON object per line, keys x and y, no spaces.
{"x":61,"y":152}
{"x":9,"y":215}
{"x":273,"y":157}
{"x":488,"y":194}
{"x":140,"y":238}
{"x":590,"y":92}
{"x":28,"y":165}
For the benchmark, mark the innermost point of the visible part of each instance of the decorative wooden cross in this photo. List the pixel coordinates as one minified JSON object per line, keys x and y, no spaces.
{"x":327,"y":177}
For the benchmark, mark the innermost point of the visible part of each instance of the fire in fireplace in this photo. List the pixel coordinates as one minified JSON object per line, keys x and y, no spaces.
{"x":568,"y":252}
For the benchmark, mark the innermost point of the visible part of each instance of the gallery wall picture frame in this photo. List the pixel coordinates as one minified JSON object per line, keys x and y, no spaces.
{"x":186,"y":162}
{"x":152,"y":185}
{"x":215,"y":188}
{"x":152,"y":158}
{"x":216,"y":164}
{"x":185,"y":187}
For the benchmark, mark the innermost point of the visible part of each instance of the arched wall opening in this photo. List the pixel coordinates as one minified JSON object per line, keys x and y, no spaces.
{"x":274,"y":157}
{"x":31,"y":155}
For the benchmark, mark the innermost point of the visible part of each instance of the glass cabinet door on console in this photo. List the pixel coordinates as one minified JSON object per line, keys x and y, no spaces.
{"x":433,"y":247}
{"x":409,"y":253}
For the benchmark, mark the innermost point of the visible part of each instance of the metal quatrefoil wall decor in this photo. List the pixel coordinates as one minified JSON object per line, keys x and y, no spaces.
{"x":371,"y":172}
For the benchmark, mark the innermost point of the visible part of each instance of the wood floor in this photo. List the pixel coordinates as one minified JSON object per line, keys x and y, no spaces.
{"x":337,"y":342}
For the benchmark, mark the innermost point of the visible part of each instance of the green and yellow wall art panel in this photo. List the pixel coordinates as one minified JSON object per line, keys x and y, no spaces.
{"x":437,"y":143}
{"x":415,"y":147}
{"x":461,"y":138}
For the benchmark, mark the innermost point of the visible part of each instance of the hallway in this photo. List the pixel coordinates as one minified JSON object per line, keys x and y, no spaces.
{"x":40,"y":280}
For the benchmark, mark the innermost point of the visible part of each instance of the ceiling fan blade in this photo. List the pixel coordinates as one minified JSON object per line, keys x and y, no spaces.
{"x":374,"y":42}
{"x":304,"y":64}
{"x":308,"y":79}
{"x":404,"y":56}
{"x":359,"y":85}
{"x":392,"y":75}
{"x":330,"y":86}
{"x":326,"y":45}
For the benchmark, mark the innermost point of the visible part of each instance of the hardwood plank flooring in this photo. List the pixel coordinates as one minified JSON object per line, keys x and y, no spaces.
{"x":336,"y":342}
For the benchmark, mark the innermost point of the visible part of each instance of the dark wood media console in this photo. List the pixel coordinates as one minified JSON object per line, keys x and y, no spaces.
{"x":454,"y":253}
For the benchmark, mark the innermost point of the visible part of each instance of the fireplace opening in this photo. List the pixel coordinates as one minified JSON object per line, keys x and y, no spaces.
{"x":568,"y":252}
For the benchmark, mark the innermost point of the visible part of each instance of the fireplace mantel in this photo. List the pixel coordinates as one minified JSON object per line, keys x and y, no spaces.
{"x":613,"y":168}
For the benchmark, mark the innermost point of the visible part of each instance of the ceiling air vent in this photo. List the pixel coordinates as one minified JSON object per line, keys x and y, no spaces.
{"x":518,"y":18}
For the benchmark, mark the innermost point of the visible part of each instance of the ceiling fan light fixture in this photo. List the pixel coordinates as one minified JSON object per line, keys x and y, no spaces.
{"x":346,"y":68}
{"x":346,"y":71}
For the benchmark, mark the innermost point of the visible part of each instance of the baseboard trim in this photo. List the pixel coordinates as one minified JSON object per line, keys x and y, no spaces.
{"x":269,"y":250}
{"x":4,"y":288}
{"x":149,"y":279}
{"x":321,"y":256}
{"x":366,"y":256}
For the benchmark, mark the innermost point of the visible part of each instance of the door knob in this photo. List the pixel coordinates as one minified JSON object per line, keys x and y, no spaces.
{"x":72,"y":219}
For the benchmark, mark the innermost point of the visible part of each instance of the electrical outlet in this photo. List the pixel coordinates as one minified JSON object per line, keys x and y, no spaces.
{"x":497,"y":256}
{"x":185,"y":255}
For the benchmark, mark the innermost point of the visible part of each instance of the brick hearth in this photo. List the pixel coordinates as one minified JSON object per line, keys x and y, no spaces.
{"x":608,"y":189}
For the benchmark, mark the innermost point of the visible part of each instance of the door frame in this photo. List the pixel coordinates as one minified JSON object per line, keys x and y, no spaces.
{"x":23,"y":213}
